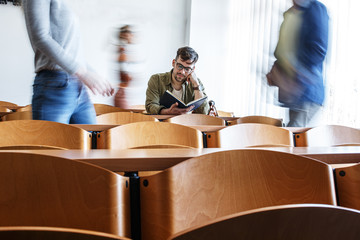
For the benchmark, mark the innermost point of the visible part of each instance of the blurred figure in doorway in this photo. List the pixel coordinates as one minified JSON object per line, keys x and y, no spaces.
{"x":129,"y":68}
{"x":300,"y":53}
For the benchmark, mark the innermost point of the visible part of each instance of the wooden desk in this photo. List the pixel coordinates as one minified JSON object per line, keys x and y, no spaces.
{"x":160,"y":159}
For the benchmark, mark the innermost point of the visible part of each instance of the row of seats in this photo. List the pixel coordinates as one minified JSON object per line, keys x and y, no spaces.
{"x":191,"y":197}
{"x":154,"y":134}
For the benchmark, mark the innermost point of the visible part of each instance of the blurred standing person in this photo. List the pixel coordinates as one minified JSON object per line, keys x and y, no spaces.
{"x":59,"y":92}
{"x":129,"y":67}
{"x":300,"y":54}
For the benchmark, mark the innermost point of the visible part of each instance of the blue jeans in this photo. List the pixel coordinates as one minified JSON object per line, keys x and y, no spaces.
{"x":60,"y":97}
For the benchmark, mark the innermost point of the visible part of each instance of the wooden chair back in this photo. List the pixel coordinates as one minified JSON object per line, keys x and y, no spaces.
{"x":121,"y":118}
{"x":204,"y":188}
{"x":43,"y":133}
{"x":104,"y":108}
{"x":4,"y":109}
{"x":348,"y":186}
{"x":196,"y":119}
{"x":225,"y":114}
{"x":9,"y":105}
{"x":328,"y":136}
{"x":144,"y":134}
{"x":250,"y":135}
{"x":25,"y":108}
{"x":259,"y":119}
{"x":302,"y":221}
{"x":54,"y":233}
{"x":43,"y":190}
{"x":22,"y":115}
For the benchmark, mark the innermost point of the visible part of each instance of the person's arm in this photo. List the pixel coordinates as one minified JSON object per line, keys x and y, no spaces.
{"x":37,"y":17}
{"x":153,"y":95}
{"x":316,"y":30}
{"x":199,"y":92}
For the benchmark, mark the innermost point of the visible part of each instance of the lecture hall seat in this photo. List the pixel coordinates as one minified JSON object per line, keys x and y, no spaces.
{"x":295,"y":222}
{"x":149,"y":135}
{"x":214,"y":185}
{"x":121,"y":118}
{"x":258,"y":119}
{"x":48,"y":191}
{"x":328,"y":136}
{"x":196,"y":119}
{"x":37,"y":133}
{"x":250,"y":135}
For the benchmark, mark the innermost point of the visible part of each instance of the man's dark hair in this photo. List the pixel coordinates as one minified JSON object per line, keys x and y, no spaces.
{"x":186,"y":54}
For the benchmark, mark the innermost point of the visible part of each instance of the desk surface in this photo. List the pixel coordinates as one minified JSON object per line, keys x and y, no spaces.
{"x":160,"y":159}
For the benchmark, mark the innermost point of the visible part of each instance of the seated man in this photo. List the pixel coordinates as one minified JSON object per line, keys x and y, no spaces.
{"x":181,"y":81}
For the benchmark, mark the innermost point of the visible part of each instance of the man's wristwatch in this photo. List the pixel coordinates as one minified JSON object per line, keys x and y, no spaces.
{"x":198,"y":88}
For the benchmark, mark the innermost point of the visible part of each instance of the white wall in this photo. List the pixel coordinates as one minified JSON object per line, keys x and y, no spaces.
{"x":162,"y":26}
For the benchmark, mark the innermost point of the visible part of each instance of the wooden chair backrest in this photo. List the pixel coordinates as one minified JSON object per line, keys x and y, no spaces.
{"x":260,"y":119}
{"x":196,"y":119}
{"x":104,"y":108}
{"x":328,"y":136}
{"x":43,"y":133}
{"x":8,"y":104}
{"x":301,"y":221}
{"x":218,"y":184}
{"x":4,"y":109}
{"x":22,"y":115}
{"x":54,"y":233}
{"x":250,"y":135}
{"x":348,"y":186}
{"x":143,"y":134}
{"x":121,"y":118}
{"x":25,"y":108}
{"x":42,"y":190}
{"x":225,"y":114}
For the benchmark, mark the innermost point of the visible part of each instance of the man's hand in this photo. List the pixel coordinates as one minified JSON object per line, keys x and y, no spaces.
{"x":95,"y":83}
{"x":174,"y":110}
{"x":193,"y":79}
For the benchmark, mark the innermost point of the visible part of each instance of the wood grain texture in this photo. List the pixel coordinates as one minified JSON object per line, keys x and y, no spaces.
{"x":9,"y":105}
{"x":250,"y":135}
{"x":218,"y":184}
{"x":104,"y":108}
{"x":295,"y":222}
{"x":22,"y":115}
{"x":143,"y":134}
{"x":260,"y":119}
{"x":328,"y":136}
{"x":225,"y":114}
{"x":196,"y":119}
{"x":121,"y":118}
{"x":348,"y":186}
{"x":25,"y":108}
{"x":53,"y":233}
{"x":4,"y":109}
{"x":43,"y":133}
{"x":39,"y":190}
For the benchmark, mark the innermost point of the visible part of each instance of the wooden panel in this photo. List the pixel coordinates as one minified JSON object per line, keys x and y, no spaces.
{"x":348,"y":186}
{"x":53,"y":233}
{"x":4,"y":109}
{"x":143,"y":134}
{"x":25,"y":108}
{"x":328,"y":135}
{"x":39,"y":190}
{"x":104,"y":108}
{"x":9,"y":105}
{"x":196,"y":119}
{"x":222,"y":183}
{"x":260,"y":119}
{"x":22,"y":115}
{"x":250,"y":135}
{"x":44,"y":133}
{"x":296,"y":222}
{"x":121,"y":118}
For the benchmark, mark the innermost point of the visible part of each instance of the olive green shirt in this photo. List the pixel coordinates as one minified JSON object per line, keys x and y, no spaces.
{"x":157,"y":86}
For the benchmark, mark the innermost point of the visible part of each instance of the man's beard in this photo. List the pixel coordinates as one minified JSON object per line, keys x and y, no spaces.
{"x":180,"y":78}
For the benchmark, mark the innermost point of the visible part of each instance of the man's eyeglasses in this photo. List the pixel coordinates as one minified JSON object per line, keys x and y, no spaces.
{"x":180,"y":67}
